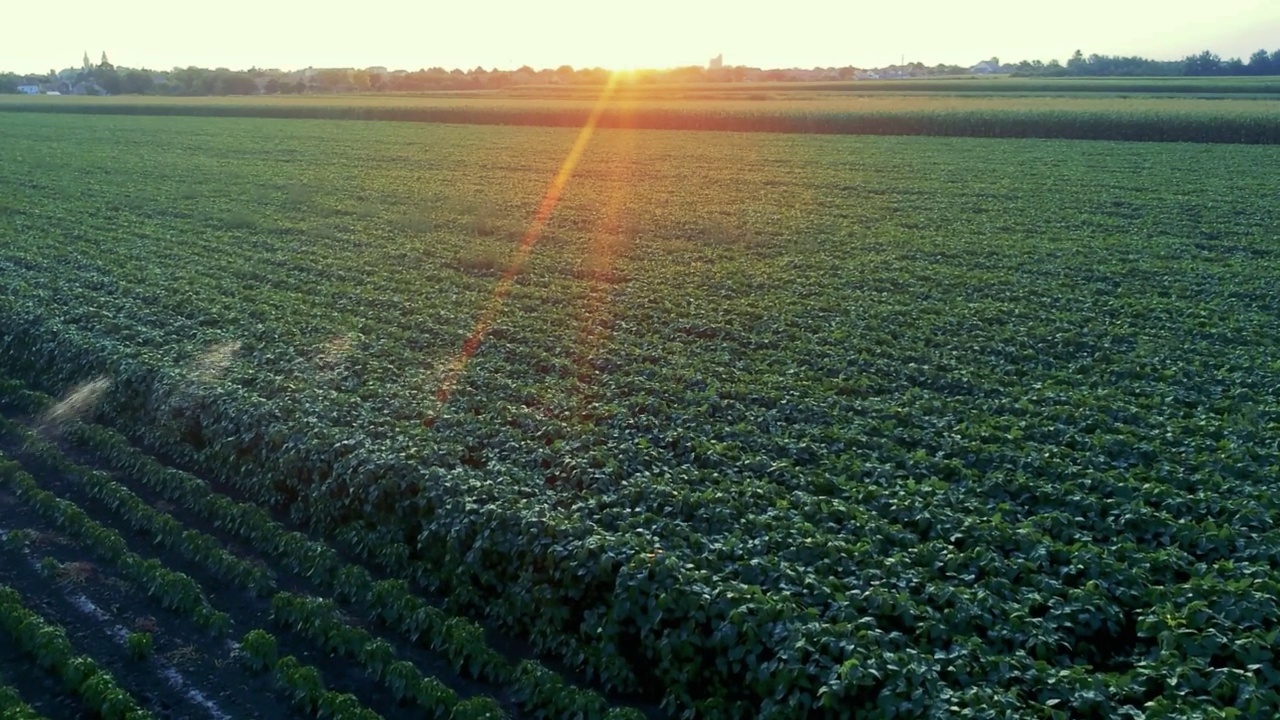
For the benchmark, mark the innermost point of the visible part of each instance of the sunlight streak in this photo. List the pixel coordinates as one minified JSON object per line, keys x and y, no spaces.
{"x":453,"y":372}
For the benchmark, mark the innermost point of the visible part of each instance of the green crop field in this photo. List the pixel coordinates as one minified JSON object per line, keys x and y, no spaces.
{"x":1085,"y":110}
{"x":371,"y":420}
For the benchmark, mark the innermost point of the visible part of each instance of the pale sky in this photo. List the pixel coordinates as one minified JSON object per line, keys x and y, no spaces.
{"x":412,"y":34}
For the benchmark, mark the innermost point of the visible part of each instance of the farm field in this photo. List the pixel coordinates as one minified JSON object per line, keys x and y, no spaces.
{"x":862,"y":427}
{"x":1221,"y":117}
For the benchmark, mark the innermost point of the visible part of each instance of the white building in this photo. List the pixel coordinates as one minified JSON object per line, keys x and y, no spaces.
{"x":29,"y":89}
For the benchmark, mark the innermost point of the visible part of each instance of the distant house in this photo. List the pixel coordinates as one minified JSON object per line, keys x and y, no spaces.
{"x":716,"y":63}
{"x":986,"y":67}
{"x":29,"y":89}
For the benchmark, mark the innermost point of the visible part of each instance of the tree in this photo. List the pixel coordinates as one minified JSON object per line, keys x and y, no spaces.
{"x":1076,"y":63}
{"x":1206,"y":63}
{"x":235,"y":83}
{"x":137,"y":82}
{"x":109,"y":80}
{"x":272,"y":87}
{"x":333,"y":78}
{"x":1260,"y":64}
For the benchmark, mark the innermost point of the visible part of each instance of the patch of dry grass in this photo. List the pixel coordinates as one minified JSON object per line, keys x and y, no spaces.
{"x":81,"y":401}
{"x":76,"y":573}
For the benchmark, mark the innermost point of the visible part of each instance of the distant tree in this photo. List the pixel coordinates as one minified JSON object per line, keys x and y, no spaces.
{"x":333,"y":78}
{"x":1206,"y":63}
{"x":360,"y":79}
{"x":234,"y":83}
{"x":109,"y":80}
{"x":272,"y":87}
{"x":1077,"y":62}
{"x":1234,"y":66}
{"x":8,"y":83}
{"x":376,"y":82}
{"x":1260,"y":64}
{"x":137,"y":82}
{"x":300,"y":87}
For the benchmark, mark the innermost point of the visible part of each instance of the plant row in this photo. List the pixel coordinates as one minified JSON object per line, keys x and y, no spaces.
{"x":462,"y":642}
{"x":321,"y":622}
{"x":301,"y":683}
{"x":15,"y":397}
{"x":334,"y":636}
{"x":173,"y":590}
{"x":48,"y":645}
{"x":13,"y":708}
{"x":392,"y":602}
{"x":167,"y":532}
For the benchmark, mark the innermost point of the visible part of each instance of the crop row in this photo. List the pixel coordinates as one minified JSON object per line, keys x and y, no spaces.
{"x":13,"y":708}
{"x":172,"y":590}
{"x":1119,"y":124}
{"x":141,"y":517}
{"x":48,"y":645}
{"x":389,"y":601}
{"x":301,"y":683}
{"x":321,"y":622}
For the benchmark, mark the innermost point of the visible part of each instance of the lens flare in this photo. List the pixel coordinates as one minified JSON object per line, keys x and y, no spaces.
{"x":458,"y":365}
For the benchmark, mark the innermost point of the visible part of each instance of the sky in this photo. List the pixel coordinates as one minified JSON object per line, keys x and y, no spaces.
{"x":411,"y":34}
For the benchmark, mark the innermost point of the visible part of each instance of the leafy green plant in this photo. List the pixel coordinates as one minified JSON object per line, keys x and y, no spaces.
{"x":260,"y":650}
{"x":12,"y":706}
{"x":139,"y":645}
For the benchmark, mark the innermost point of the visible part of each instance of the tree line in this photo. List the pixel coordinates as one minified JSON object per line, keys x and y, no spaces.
{"x":106,"y":78}
{"x":1205,"y":64}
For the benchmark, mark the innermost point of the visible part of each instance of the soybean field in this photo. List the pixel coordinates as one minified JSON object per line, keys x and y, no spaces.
{"x":304,"y":417}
